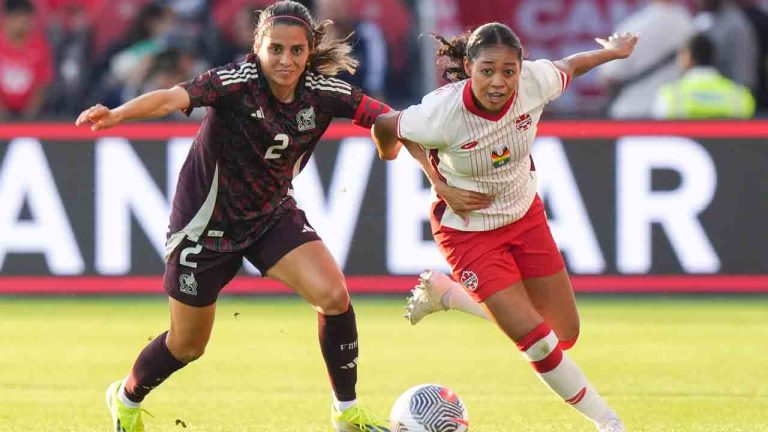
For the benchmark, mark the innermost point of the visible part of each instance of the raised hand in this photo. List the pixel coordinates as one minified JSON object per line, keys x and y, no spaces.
{"x":622,"y":44}
{"x":461,"y":201}
{"x":101,"y":117}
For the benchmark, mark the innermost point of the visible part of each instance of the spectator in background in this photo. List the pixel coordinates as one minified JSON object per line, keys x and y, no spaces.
{"x":368,"y":45}
{"x":733,"y":37}
{"x":237,"y":35}
{"x":26,"y":63}
{"x":702,"y":92}
{"x":759,"y":20}
{"x":128,"y":60}
{"x":664,"y":26}
{"x":177,"y":61}
{"x":232,"y":26}
{"x":69,"y":24}
{"x":112,"y":21}
{"x":396,"y":22}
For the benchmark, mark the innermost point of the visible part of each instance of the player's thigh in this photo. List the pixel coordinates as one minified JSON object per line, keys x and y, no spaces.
{"x":292,"y":252}
{"x":553,"y":298}
{"x":311,"y":270}
{"x":513,"y":311}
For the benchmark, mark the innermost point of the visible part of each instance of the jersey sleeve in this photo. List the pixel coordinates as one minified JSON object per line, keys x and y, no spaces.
{"x":423,"y":123}
{"x":216,"y":86}
{"x":551,"y":82}
{"x":347,"y":101}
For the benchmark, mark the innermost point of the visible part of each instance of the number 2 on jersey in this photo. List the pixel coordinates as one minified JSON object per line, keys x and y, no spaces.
{"x":272,"y":151}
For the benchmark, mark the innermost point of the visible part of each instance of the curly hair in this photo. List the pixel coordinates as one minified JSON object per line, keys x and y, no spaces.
{"x":451,"y":54}
{"x":327,"y":56}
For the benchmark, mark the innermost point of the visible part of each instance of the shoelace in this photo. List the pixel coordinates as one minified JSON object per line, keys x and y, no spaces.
{"x":139,"y":411}
{"x":365,"y":420}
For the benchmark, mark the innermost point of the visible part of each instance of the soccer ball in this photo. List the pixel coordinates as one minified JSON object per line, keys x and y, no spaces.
{"x":429,"y":408}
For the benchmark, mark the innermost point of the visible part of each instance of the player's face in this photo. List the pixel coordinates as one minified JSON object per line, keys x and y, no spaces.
{"x":284,"y":52}
{"x":495,"y":73}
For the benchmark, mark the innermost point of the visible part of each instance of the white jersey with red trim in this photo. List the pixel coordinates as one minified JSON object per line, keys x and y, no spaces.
{"x":476,"y":151}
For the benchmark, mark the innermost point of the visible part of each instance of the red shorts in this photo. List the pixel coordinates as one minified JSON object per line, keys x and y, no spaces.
{"x":486,"y":262}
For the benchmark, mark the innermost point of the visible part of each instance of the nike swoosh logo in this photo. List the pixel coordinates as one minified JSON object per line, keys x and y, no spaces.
{"x":460,"y":421}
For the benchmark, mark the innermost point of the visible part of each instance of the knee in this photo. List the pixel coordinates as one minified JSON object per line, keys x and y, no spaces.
{"x":333,"y":299}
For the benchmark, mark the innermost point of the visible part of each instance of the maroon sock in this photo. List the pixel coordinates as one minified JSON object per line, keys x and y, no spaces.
{"x":338,"y":341}
{"x":152,"y":367}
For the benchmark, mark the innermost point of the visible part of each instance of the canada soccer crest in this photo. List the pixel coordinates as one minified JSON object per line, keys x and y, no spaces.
{"x":469,"y":280}
{"x":523,"y":122}
{"x":305,"y":119}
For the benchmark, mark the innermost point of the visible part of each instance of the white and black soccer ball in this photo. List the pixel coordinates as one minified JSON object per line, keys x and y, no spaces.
{"x":429,"y":408}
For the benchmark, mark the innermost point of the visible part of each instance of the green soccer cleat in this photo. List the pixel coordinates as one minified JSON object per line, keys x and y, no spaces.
{"x":124,"y":419}
{"x":356,"y":419}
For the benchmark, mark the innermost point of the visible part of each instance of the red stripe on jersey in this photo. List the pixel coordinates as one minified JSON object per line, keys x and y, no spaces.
{"x":537,"y":334}
{"x":549,"y":362}
{"x":434,"y":160}
{"x":399,"y":135}
{"x":578,"y":397}
{"x":367,"y":111}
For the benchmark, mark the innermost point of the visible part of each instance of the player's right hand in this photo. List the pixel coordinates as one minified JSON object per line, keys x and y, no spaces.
{"x":462,"y":201}
{"x":100,"y":116}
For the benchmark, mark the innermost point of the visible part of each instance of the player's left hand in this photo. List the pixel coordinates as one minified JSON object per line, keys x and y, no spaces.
{"x":622,"y":44}
{"x":461,"y":201}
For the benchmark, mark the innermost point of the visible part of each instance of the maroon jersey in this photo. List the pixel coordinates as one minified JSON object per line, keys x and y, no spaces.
{"x":236,"y":180}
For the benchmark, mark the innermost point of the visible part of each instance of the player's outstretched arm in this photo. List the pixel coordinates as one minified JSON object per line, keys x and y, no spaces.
{"x":617,"y":46}
{"x":384,"y":135}
{"x":154,"y":104}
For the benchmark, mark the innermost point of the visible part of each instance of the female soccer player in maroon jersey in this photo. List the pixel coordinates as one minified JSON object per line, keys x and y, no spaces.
{"x":488,"y":220}
{"x":234,"y":200}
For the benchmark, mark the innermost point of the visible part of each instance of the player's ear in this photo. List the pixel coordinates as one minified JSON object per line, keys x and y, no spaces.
{"x":467,"y":67}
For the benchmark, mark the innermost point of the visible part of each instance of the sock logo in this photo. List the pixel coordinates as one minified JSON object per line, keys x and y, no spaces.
{"x":348,"y":347}
{"x":350,"y":365}
{"x":579,"y":396}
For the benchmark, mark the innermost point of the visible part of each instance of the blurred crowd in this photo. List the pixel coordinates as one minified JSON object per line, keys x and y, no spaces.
{"x":713,"y":63}
{"x":59,"y":56}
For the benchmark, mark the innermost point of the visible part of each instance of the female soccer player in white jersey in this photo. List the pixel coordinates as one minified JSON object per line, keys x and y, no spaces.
{"x":488,"y":220}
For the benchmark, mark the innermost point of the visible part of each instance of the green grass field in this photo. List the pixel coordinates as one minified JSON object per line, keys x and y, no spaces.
{"x":666,"y":364}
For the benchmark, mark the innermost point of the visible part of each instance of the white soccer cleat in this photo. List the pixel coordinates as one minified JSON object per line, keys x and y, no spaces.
{"x":612,"y":425}
{"x":427,"y":296}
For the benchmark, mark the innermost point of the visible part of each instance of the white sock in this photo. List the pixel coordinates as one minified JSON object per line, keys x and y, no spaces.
{"x":124,"y":399}
{"x":562,"y":375}
{"x":343,"y":405}
{"x":458,"y":299}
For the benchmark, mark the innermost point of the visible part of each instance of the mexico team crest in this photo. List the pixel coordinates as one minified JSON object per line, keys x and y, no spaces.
{"x":523,"y":122}
{"x":305,"y":119}
{"x":500,"y":158}
{"x":188,"y":284}
{"x":469,"y":280}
